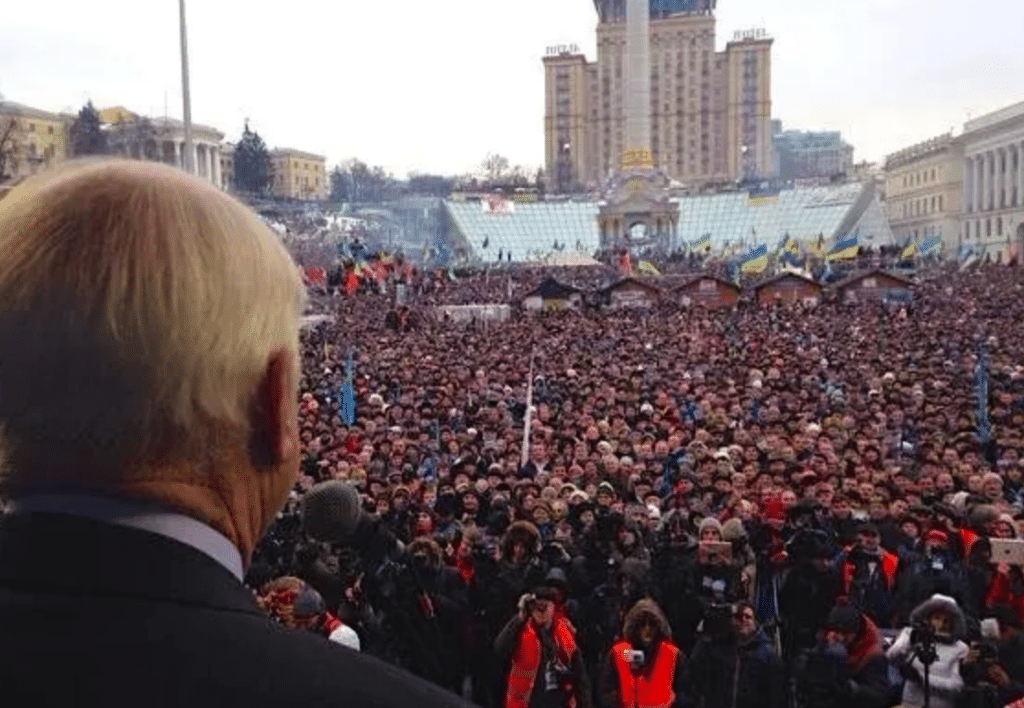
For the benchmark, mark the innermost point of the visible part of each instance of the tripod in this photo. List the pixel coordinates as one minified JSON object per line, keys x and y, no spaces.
{"x":926,"y":652}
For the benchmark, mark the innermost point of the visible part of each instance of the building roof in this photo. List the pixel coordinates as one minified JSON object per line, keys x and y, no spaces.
{"x":120,"y":113}
{"x":782,"y":276}
{"x":707,"y":276}
{"x":926,"y":148}
{"x":20,"y":109}
{"x":552,"y":289}
{"x":290,"y":152}
{"x":630,"y":280}
{"x":995,"y":118}
{"x":857,"y":277}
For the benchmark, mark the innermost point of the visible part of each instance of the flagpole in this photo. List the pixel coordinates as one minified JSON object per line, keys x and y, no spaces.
{"x":527,"y":418}
{"x":186,"y":98}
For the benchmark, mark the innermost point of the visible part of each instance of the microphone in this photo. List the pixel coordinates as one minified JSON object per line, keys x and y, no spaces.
{"x":332,"y":513}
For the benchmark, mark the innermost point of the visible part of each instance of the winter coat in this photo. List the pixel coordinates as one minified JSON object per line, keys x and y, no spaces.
{"x":739,"y":674}
{"x":944,"y":675}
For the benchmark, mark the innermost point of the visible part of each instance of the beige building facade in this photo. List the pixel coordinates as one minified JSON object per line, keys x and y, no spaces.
{"x":710,"y":110}
{"x":924,"y":192}
{"x":31,"y":140}
{"x":568,"y":148}
{"x":298,"y":174}
{"x":993,"y":186}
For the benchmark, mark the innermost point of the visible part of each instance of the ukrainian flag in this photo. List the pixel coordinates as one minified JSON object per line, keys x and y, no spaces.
{"x":647,"y":267}
{"x":909,"y":251}
{"x":756,"y":261}
{"x":844,"y":250}
{"x":931,"y":246}
{"x":704,"y":242}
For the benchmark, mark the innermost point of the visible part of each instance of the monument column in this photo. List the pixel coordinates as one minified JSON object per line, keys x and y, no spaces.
{"x":637,"y":151}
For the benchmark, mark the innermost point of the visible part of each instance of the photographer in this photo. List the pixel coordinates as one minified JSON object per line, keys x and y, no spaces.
{"x":809,"y":589}
{"x":868,"y":576}
{"x":734,"y":664}
{"x":847,"y":667}
{"x":545,"y":667}
{"x":938,"y":571}
{"x":929,"y":653}
{"x":645,"y":668}
{"x":428,"y":603}
{"x":997,"y":663}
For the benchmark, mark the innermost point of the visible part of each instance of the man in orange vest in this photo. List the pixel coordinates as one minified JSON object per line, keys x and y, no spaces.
{"x":645,"y":669}
{"x":868,"y":576}
{"x":546,"y":668}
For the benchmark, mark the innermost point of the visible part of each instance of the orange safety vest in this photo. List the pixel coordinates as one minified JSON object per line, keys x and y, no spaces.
{"x":526,"y":662}
{"x":888,"y":564}
{"x":652,"y":689}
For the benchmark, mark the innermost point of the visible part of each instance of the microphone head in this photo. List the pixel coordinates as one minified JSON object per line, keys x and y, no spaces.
{"x":331,"y":511}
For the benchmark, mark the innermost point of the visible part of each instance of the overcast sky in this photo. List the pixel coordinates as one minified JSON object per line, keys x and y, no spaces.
{"x":434,"y":86}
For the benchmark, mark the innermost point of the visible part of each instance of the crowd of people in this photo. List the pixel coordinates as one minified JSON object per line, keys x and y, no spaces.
{"x":771,"y":492}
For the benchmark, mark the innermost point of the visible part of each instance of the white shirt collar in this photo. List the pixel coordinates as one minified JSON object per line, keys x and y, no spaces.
{"x":139,"y":515}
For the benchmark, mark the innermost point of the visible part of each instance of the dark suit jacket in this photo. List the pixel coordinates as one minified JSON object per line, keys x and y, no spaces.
{"x":93,"y":614}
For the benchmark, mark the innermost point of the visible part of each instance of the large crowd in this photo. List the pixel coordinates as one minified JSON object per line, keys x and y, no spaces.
{"x":775,"y":491}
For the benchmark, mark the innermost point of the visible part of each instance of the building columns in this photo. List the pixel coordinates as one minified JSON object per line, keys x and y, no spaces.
{"x":986,"y":181}
{"x":1020,"y":175}
{"x":974,"y":199}
{"x":177,"y":154}
{"x":216,"y":168}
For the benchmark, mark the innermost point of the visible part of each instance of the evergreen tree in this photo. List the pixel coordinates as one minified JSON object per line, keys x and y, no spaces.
{"x":87,"y":136}
{"x":252,"y":163}
{"x":135,"y":138}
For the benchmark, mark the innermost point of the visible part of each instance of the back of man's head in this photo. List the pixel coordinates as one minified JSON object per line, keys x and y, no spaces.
{"x":139,"y":307}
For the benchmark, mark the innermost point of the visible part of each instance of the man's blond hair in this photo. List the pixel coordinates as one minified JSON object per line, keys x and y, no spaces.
{"x":139,"y":307}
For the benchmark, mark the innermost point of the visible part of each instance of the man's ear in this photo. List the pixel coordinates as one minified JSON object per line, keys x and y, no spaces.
{"x":274,"y":424}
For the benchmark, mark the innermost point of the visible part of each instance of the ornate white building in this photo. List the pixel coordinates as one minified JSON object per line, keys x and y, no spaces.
{"x":166,"y":142}
{"x":993,"y":214}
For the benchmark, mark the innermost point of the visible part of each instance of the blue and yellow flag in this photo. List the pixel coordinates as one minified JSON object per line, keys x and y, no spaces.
{"x":931,"y":246}
{"x":647,"y":267}
{"x":756,"y":261}
{"x":703,"y":243}
{"x":347,"y":395}
{"x":909,"y":251}
{"x":844,"y":250}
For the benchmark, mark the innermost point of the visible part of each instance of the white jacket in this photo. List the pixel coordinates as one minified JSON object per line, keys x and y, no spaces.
{"x":943,"y":675}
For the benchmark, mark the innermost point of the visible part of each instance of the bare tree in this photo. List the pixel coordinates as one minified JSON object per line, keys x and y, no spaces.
{"x":495,"y":168}
{"x":12,"y":145}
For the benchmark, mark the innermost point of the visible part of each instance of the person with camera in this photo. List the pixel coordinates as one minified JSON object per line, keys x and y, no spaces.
{"x":846,"y":667}
{"x":428,"y":606}
{"x":868,"y":576}
{"x":994,"y":667}
{"x":735,"y":664}
{"x":938,"y":570}
{"x":929,"y":653}
{"x":644,"y":668}
{"x":545,"y":667}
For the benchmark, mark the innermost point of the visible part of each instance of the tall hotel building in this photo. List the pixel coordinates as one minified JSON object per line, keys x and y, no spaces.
{"x":710,"y":110}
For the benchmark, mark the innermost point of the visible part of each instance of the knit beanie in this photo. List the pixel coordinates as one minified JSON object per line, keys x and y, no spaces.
{"x":710,"y":523}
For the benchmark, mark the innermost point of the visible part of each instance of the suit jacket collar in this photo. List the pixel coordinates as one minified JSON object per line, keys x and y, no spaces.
{"x":59,"y":553}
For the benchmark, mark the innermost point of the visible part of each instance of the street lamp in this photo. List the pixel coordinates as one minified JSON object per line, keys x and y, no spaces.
{"x":186,"y":101}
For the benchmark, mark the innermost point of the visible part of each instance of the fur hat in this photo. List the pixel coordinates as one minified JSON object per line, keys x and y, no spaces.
{"x":733,"y":530}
